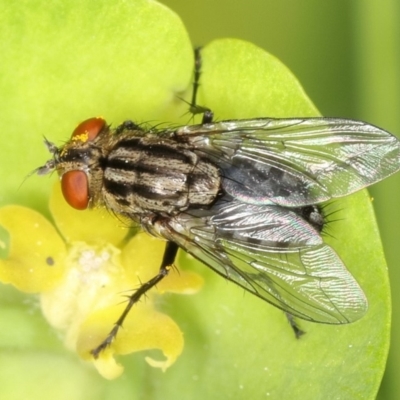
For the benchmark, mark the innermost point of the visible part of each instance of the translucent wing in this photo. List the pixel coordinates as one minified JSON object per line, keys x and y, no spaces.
{"x":295,"y":162}
{"x":273,"y":253}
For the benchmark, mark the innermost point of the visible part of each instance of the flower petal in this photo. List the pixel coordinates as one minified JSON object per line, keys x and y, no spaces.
{"x":36,"y":252}
{"x":181,"y":281}
{"x":144,"y":329}
{"x":142,"y":257}
{"x":88,"y":226}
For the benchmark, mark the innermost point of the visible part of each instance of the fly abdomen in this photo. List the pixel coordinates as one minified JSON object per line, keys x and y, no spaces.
{"x":150,"y":174}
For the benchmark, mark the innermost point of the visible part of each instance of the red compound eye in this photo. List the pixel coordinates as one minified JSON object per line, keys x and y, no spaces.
{"x":74,"y":185}
{"x":91,"y":127}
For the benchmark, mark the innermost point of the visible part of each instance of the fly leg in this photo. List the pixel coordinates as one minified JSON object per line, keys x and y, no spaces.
{"x":194,"y":107}
{"x":168,"y":259}
{"x":293,"y":324}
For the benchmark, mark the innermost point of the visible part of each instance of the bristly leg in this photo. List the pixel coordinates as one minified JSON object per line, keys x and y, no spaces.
{"x":293,"y":324}
{"x":194,"y":107}
{"x":168,"y":260}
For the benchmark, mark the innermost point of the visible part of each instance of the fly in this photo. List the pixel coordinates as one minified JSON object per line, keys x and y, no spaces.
{"x":242,"y":196}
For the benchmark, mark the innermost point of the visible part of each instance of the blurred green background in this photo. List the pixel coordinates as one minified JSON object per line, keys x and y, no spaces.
{"x":347,"y":56}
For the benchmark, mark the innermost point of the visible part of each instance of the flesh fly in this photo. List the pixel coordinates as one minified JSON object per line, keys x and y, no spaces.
{"x":242,"y":196}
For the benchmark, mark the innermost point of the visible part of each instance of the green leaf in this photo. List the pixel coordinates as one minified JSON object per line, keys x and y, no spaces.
{"x":66,"y":61}
{"x":240,"y":80}
{"x":4,"y":243}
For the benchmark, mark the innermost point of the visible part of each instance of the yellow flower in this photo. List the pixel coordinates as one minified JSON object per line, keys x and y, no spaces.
{"x":82,"y":268}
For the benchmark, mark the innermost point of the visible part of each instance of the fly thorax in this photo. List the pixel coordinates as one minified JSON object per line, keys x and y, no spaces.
{"x":153,"y":174}
{"x":204,"y":183}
